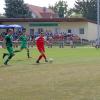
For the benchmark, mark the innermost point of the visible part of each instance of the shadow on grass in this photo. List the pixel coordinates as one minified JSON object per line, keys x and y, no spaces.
{"x":39,"y":63}
{"x":20,"y":60}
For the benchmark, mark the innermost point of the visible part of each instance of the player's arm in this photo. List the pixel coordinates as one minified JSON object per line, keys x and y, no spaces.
{"x":46,"y":41}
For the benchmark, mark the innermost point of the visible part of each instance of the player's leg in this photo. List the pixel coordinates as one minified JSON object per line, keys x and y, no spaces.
{"x":24,"y":46}
{"x":28,"y":52}
{"x":16,"y":51}
{"x":11,"y":54}
{"x":21,"y":48}
{"x":9,"y":57}
{"x":4,"y":54}
{"x":39,"y":58}
{"x":44,"y":56}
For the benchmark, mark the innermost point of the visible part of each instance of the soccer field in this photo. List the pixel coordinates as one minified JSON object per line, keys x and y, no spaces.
{"x":73,"y":75}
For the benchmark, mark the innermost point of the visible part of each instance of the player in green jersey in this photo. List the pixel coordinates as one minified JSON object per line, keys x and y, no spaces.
{"x":23,"y":40}
{"x":9,"y":46}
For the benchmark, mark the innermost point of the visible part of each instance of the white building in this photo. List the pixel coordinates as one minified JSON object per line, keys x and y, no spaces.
{"x":84,"y":28}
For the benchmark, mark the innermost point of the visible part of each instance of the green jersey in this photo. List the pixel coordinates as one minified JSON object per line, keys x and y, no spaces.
{"x":8,"y":39}
{"x":23,"y":39}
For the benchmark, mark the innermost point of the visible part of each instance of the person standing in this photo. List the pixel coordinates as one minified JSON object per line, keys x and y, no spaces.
{"x":61,"y":40}
{"x":9,"y":46}
{"x":50,"y":40}
{"x":40,"y":42}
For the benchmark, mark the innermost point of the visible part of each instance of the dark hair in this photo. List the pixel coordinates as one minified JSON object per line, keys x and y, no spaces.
{"x":9,"y":30}
{"x":24,"y":30}
{"x":42,"y":33}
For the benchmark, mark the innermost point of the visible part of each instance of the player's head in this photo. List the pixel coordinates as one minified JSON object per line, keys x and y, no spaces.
{"x":24,"y":30}
{"x":20,"y":33}
{"x":10,"y":31}
{"x":41,"y":33}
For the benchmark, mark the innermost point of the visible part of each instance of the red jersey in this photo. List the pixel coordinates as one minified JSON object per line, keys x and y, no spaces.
{"x":40,"y":43}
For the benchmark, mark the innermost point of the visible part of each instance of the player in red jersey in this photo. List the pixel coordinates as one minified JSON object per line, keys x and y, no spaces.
{"x":40,"y":42}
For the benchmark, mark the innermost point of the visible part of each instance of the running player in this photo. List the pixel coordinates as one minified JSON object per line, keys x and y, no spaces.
{"x":9,"y":46}
{"x":23,"y":40}
{"x":40,"y":40}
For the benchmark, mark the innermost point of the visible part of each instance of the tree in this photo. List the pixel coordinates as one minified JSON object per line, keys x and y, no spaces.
{"x":2,"y":16}
{"x":17,"y":9}
{"x":87,"y":8}
{"x":61,"y":8}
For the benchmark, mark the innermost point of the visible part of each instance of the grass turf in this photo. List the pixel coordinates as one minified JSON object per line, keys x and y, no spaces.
{"x":74,"y":75}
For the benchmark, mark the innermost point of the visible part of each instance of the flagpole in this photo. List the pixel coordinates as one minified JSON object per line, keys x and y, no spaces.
{"x":98,"y":21}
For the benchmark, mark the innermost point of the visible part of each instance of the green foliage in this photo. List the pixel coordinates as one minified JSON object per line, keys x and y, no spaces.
{"x":16,"y":9}
{"x":87,"y":8}
{"x":61,"y":8}
{"x":2,"y":16}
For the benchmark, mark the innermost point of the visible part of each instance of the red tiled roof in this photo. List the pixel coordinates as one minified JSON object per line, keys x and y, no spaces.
{"x":47,"y":15}
{"x":40,"y":10}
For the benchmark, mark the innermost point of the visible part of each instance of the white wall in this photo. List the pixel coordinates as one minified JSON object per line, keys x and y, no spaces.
{"x":75,"y":26}
{"x":92,"y":31}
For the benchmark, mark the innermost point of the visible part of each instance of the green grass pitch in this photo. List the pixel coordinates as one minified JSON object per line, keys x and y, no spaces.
{"x":73,"y":75}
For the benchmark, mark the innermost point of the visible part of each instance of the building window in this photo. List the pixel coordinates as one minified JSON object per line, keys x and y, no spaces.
{"x":69,"y":31}
{"x":81,"y":31}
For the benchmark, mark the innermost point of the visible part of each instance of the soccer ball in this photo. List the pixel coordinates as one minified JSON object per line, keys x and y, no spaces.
{"x":50,"y":60}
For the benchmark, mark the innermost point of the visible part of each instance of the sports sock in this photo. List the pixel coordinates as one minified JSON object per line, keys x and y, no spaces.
{"x":44,"y":56}
{"x":28,"y":55}
{"x":39,"y":57}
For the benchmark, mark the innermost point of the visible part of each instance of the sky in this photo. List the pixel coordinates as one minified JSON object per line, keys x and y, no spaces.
{"x":41,"y":3}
